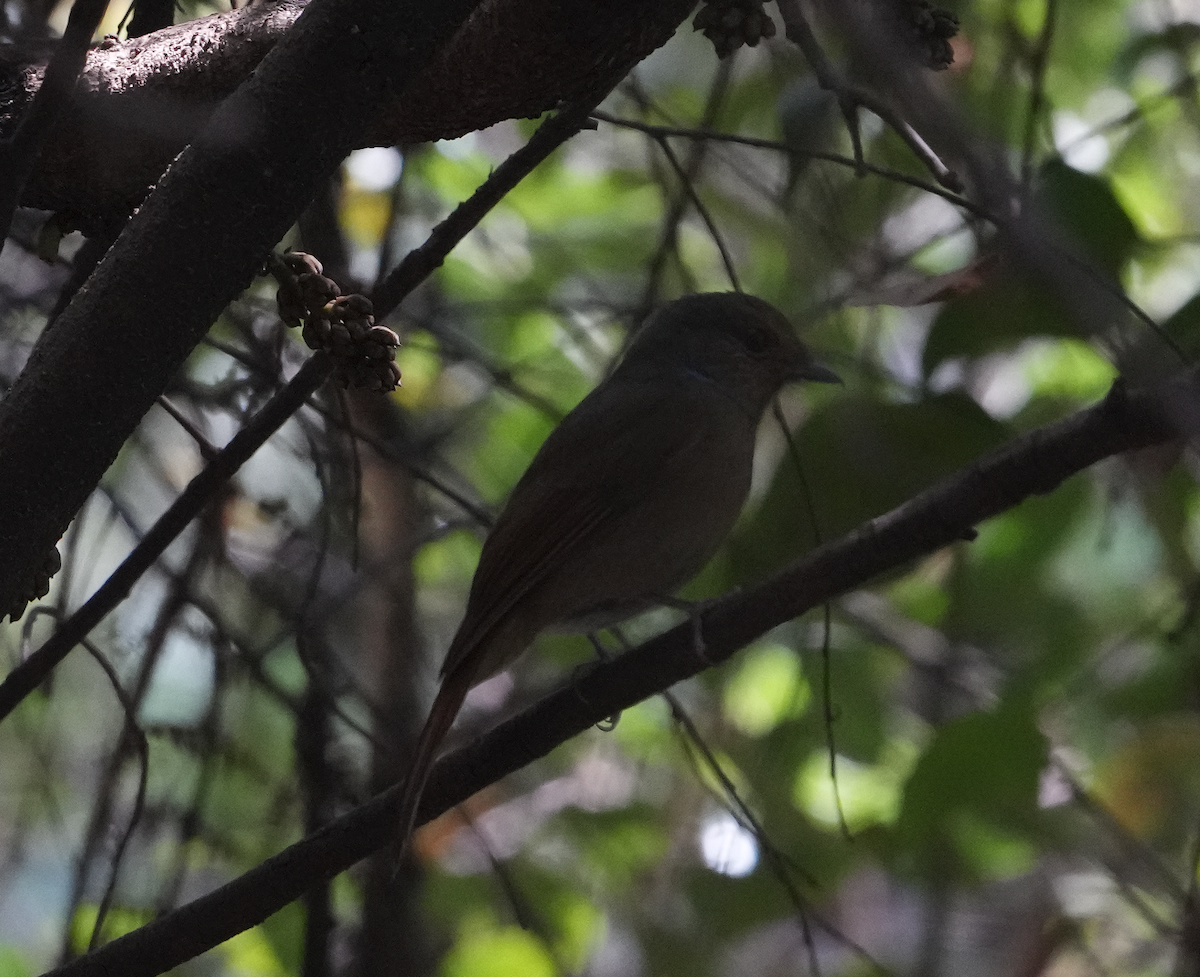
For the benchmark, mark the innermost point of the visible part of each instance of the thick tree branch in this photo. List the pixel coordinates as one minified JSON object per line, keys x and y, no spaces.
{"x":419,"y":263}
{"x":141,"y":101}
{"x":1035,"y":463}
{"x":194,"y":245}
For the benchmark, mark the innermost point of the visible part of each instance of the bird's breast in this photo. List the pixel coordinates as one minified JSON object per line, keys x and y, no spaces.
{"x":676,"y":508}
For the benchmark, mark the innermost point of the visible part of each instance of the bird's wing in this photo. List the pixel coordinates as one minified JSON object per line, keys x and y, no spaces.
{"x":591,"y":469}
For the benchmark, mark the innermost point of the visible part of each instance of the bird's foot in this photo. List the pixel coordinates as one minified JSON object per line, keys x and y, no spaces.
{"x":603,"y":655}
{"x":695,"y":610}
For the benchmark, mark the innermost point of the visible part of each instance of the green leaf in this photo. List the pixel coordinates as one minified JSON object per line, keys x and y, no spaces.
{"x":1011,"y":559}
{"x":1089,"y":213}
{"x":499,"y":953}
{"x":767,"y":688}
{"x":980,"y":772}
{"x":996,"y":317}
{"x":13,"y":963}
{"x":862,"y":457}
{"x":284,"y":932}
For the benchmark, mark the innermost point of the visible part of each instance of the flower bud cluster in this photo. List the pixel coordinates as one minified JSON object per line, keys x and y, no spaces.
{"x":731,"y":23}
{"x":343,"y":326}
{"x":930,"y":29}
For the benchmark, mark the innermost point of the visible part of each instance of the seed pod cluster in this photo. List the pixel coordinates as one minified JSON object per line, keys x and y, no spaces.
{"x":343,"y":326}
{"x":729,"y":24}
{"x":929,"y":30}
{"x":37,"y":587}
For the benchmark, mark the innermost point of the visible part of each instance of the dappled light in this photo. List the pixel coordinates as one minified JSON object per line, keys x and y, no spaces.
{"x":928,"y":706}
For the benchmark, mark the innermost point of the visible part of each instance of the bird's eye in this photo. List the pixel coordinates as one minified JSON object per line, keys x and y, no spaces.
{"x":759,"y":339}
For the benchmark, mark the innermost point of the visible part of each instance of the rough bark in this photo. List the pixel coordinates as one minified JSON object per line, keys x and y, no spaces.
{"x":192,"y":247}
{"x":142,"y":100}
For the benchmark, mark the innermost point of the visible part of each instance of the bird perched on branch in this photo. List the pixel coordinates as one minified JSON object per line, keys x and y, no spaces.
{"x":627,"y":499}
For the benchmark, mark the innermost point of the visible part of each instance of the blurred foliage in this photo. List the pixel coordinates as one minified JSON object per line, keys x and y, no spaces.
{"x":1013,"y":719}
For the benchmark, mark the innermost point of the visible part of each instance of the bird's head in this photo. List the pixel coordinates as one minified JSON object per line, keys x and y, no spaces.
{"x":739,"y":342}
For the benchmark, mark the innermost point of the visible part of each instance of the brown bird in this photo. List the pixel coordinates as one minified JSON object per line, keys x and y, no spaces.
{"x":628,"y":497}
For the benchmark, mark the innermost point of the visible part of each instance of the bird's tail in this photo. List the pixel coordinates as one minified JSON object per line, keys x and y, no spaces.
{"x":441,"y":717}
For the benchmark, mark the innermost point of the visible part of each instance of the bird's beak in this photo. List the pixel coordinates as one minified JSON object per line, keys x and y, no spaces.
{"x":816,"y":373}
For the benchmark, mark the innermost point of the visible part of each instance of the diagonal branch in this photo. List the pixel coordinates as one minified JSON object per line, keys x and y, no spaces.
{"x":1034,"y":463}
{"x":851,"y":97}
{"x":142,"y":100}
{"x":19,"y":153}
{"x":192,"y":247}
{"x":35,"y":668}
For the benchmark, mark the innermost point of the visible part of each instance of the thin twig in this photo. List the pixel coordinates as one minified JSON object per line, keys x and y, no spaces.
{"x":744,"y":816}
{"x":356,"y":481}
{"x":781,"y":865}
{"x":697,"y":155}
{"x":1037,"y":93}
{"x":19,"y":153}
{"x":421,"y":262}
{"x":385,"y":449}
{"x":138,"y":735}
{"x":779,"y":862}
{"x":130,"y":730}
{"x":958,"y":200}
{"x":829,"y":712}
{"x":773,"y":144}
{"x":690,"y":191}
{"x":208,"y":451}
{"x":850,"y":97}
{"x":29,"y":674}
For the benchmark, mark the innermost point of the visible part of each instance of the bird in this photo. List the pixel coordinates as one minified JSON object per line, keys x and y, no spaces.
{"x":626,"y":500}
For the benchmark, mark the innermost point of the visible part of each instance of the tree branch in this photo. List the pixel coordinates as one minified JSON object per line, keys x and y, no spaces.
{"x":34,"y":669}
{"x":192,"y":247}
{"x":19,"y":152}
{"x":143,"y":100}
{"x":1035,"y":463}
